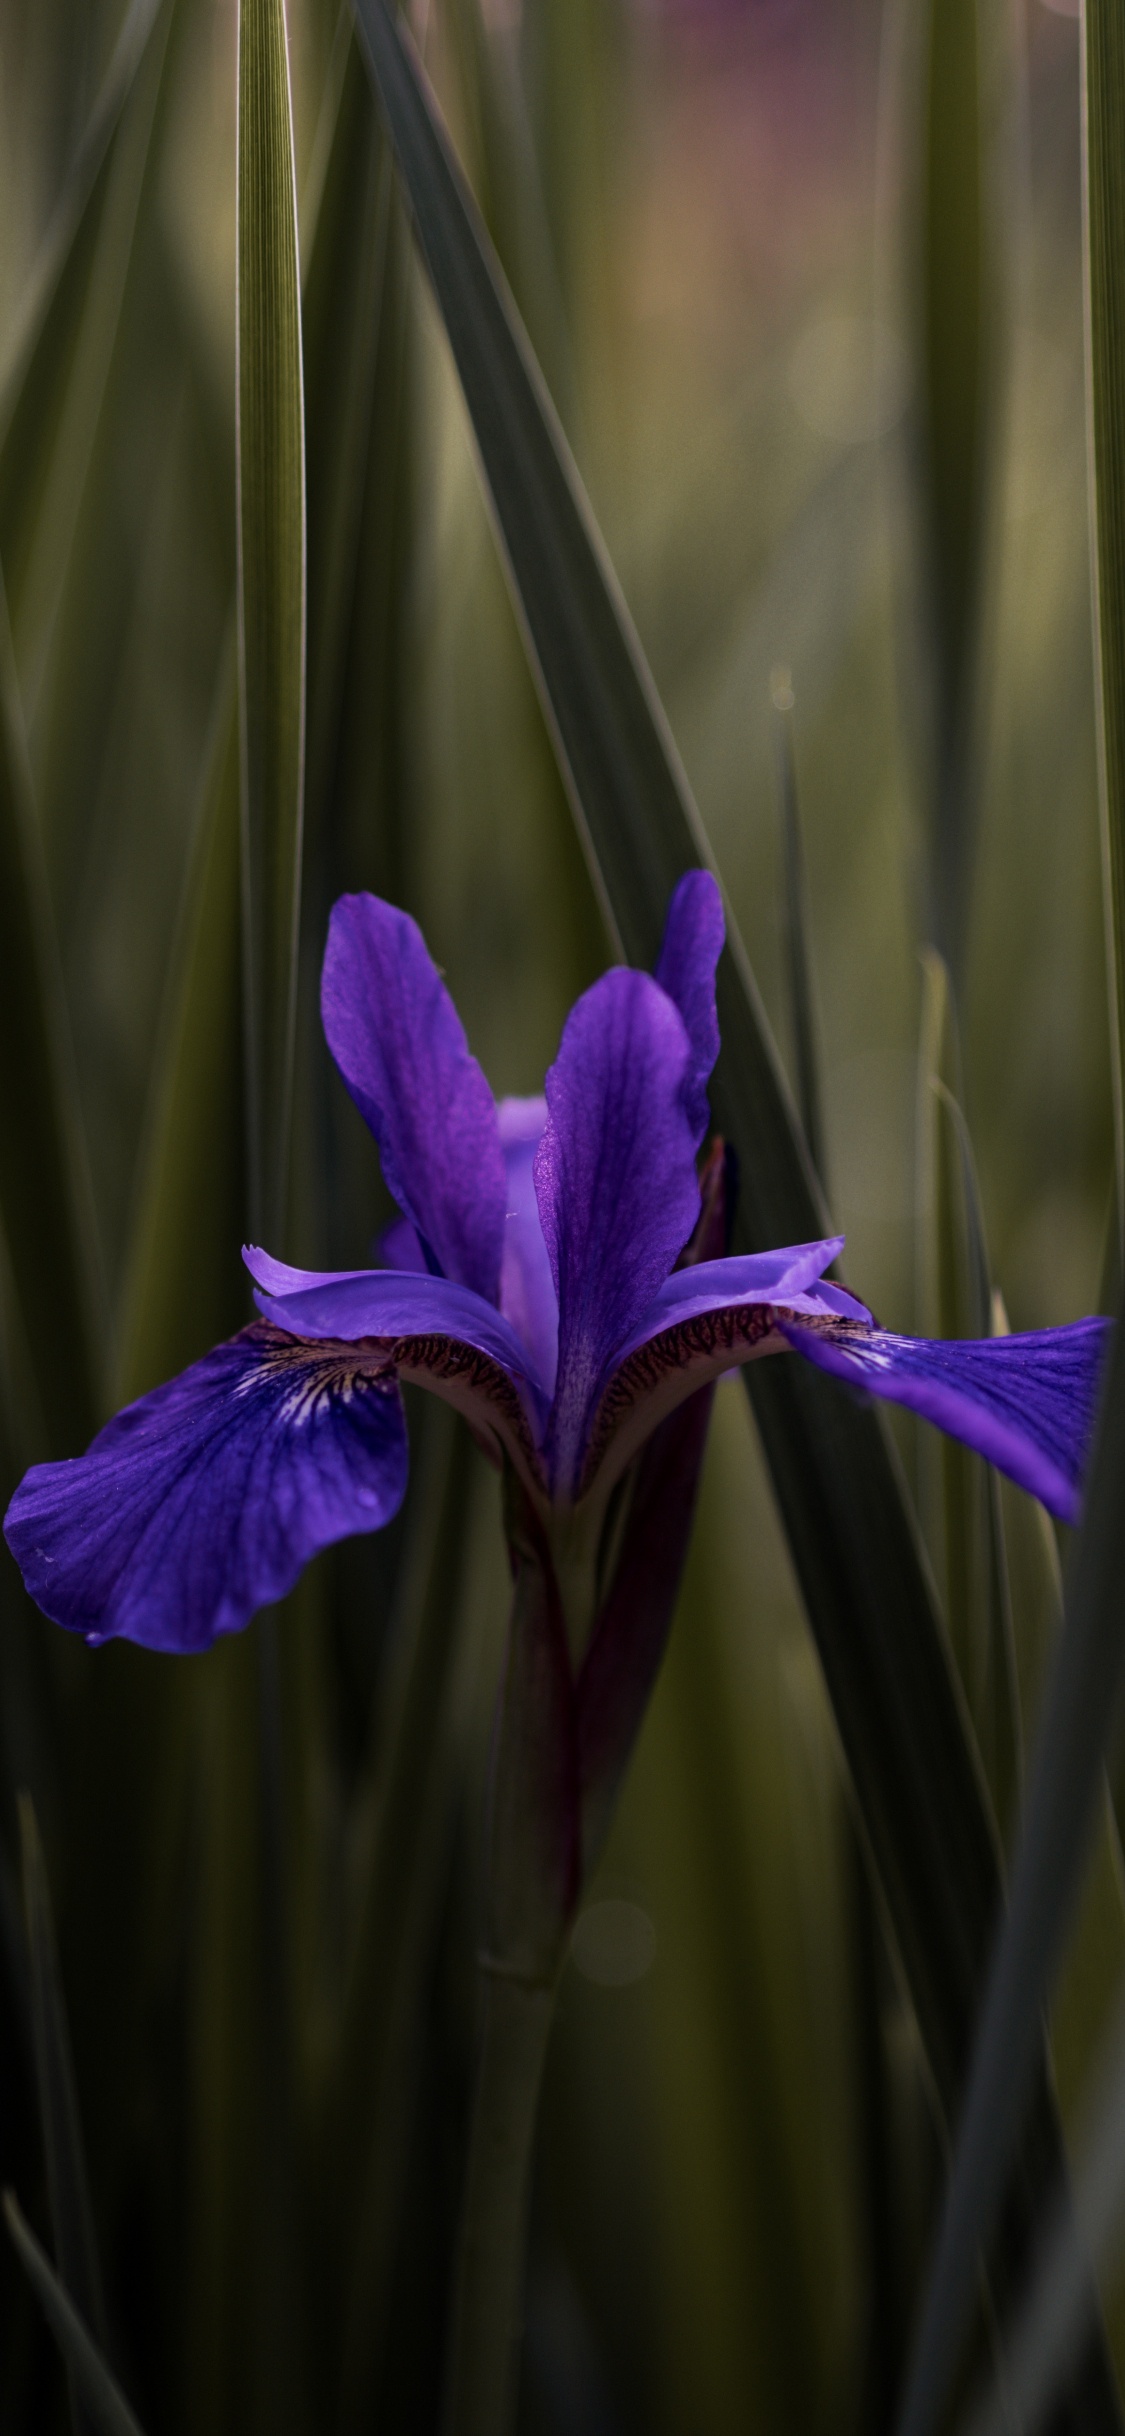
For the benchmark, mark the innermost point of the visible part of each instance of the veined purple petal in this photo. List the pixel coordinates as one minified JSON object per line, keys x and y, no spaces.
{"x":693,"y":943}
{"x":615,"y":1181}
{"x":354,"y":1303}
{"x":400,"y":1045}
{"x":705,"y":1319}
{"x":1028,"y":1403}
{"x":754,"y":1277}
{"x":430,"y":1330}
{"x":527,"y":1288}
{"x":205,"y":1500}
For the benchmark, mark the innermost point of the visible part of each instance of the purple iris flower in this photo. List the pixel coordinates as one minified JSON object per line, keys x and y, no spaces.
{"x":554,"y":1276}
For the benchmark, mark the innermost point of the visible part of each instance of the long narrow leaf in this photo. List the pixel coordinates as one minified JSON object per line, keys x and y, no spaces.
{"x":1053,"y":2320}
{"x":795,"y":930}
{"x":852,"y":1538}
{"x":271,"y":564}
{"x":71,"y":2212}
{"x":69,"y":214}
{"x":1104,"y":85}
{"x":1080,"y":1710}
{"x":955,"y":284}
{"x":182,"y":1285}
{"x":103,"y":2397}
{"x":51,"y":407}
{"x":44,"y":1198}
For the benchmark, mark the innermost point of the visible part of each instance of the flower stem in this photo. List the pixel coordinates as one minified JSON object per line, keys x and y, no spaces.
{"x":488,"y":2298}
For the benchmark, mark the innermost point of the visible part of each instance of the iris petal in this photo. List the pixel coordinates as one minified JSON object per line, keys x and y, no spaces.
{"x":1028,"y":1403}
{"x":527,"y":1288}
{"x":615,"y":1181}
{"x":434,"y":1333}
{"x":400,"y":1046}
{"x":693,"y":943}
{"x":205,"y":1500}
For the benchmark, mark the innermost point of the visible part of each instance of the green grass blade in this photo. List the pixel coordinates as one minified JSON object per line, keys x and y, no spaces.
{"x":183,"y":1285}
{"x":1054,"y":2319}
{"x":795,"y":931}
{"x":44,"y":1195}
{"x":960,"y":1494}
{"x":1080,"y":1709}
{"x":100,"y":2393}
{"x":955,"y":345}
{"x":71,"y":2212}
{"x":343,"y":294}
{"x":43,"y":327}
{"x":1104,"y":44}
{"x":271,"y":535}
{"x":852,"y":1538}
{"x":55,"y":388}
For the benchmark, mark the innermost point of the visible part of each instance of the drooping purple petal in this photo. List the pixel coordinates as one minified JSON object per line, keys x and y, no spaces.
{"x":205,"y":1500}
{"x":527,"y":1288}
{"x":693,"y":943}
{"x":1028,"y":1403}
{"x":431,"y":1331}
{"x":400,"y":1046}
{"x":615,"y":1182}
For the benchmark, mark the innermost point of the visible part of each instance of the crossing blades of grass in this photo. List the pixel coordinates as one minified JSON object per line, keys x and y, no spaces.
{"x":106,"y":2404}
{"x":71,"y":2213}
{"x":1078,"y":1718}
{"x":271,"y":588}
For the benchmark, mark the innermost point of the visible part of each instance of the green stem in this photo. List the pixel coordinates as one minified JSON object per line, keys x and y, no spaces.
{"x":488,"y":2299}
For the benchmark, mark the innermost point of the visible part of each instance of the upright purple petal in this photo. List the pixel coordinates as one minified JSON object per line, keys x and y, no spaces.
{"x":615,"y":1181}
{"x":205,"y":1500}
{"x":400,"y":1045}
{"x":527,"y":1288}
{"x":398,"y":1247}
{"x":693,"y":943}
{"x":1028,"y":1403}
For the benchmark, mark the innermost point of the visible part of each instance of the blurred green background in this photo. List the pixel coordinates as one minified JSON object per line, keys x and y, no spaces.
{"x":710,"y":213}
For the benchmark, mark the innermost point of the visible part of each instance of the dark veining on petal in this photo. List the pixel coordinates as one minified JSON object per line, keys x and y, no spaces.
{"x":336,"y":1366}
{"x":442,"y":1358}
{"x":322,"y":1369}
{"x":693,"y":1343}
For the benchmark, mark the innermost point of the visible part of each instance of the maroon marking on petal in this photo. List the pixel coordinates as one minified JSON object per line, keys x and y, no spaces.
{"x":469,"y":1380}
{"x":691,"y":1346}
{"x":320,"y":1367}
